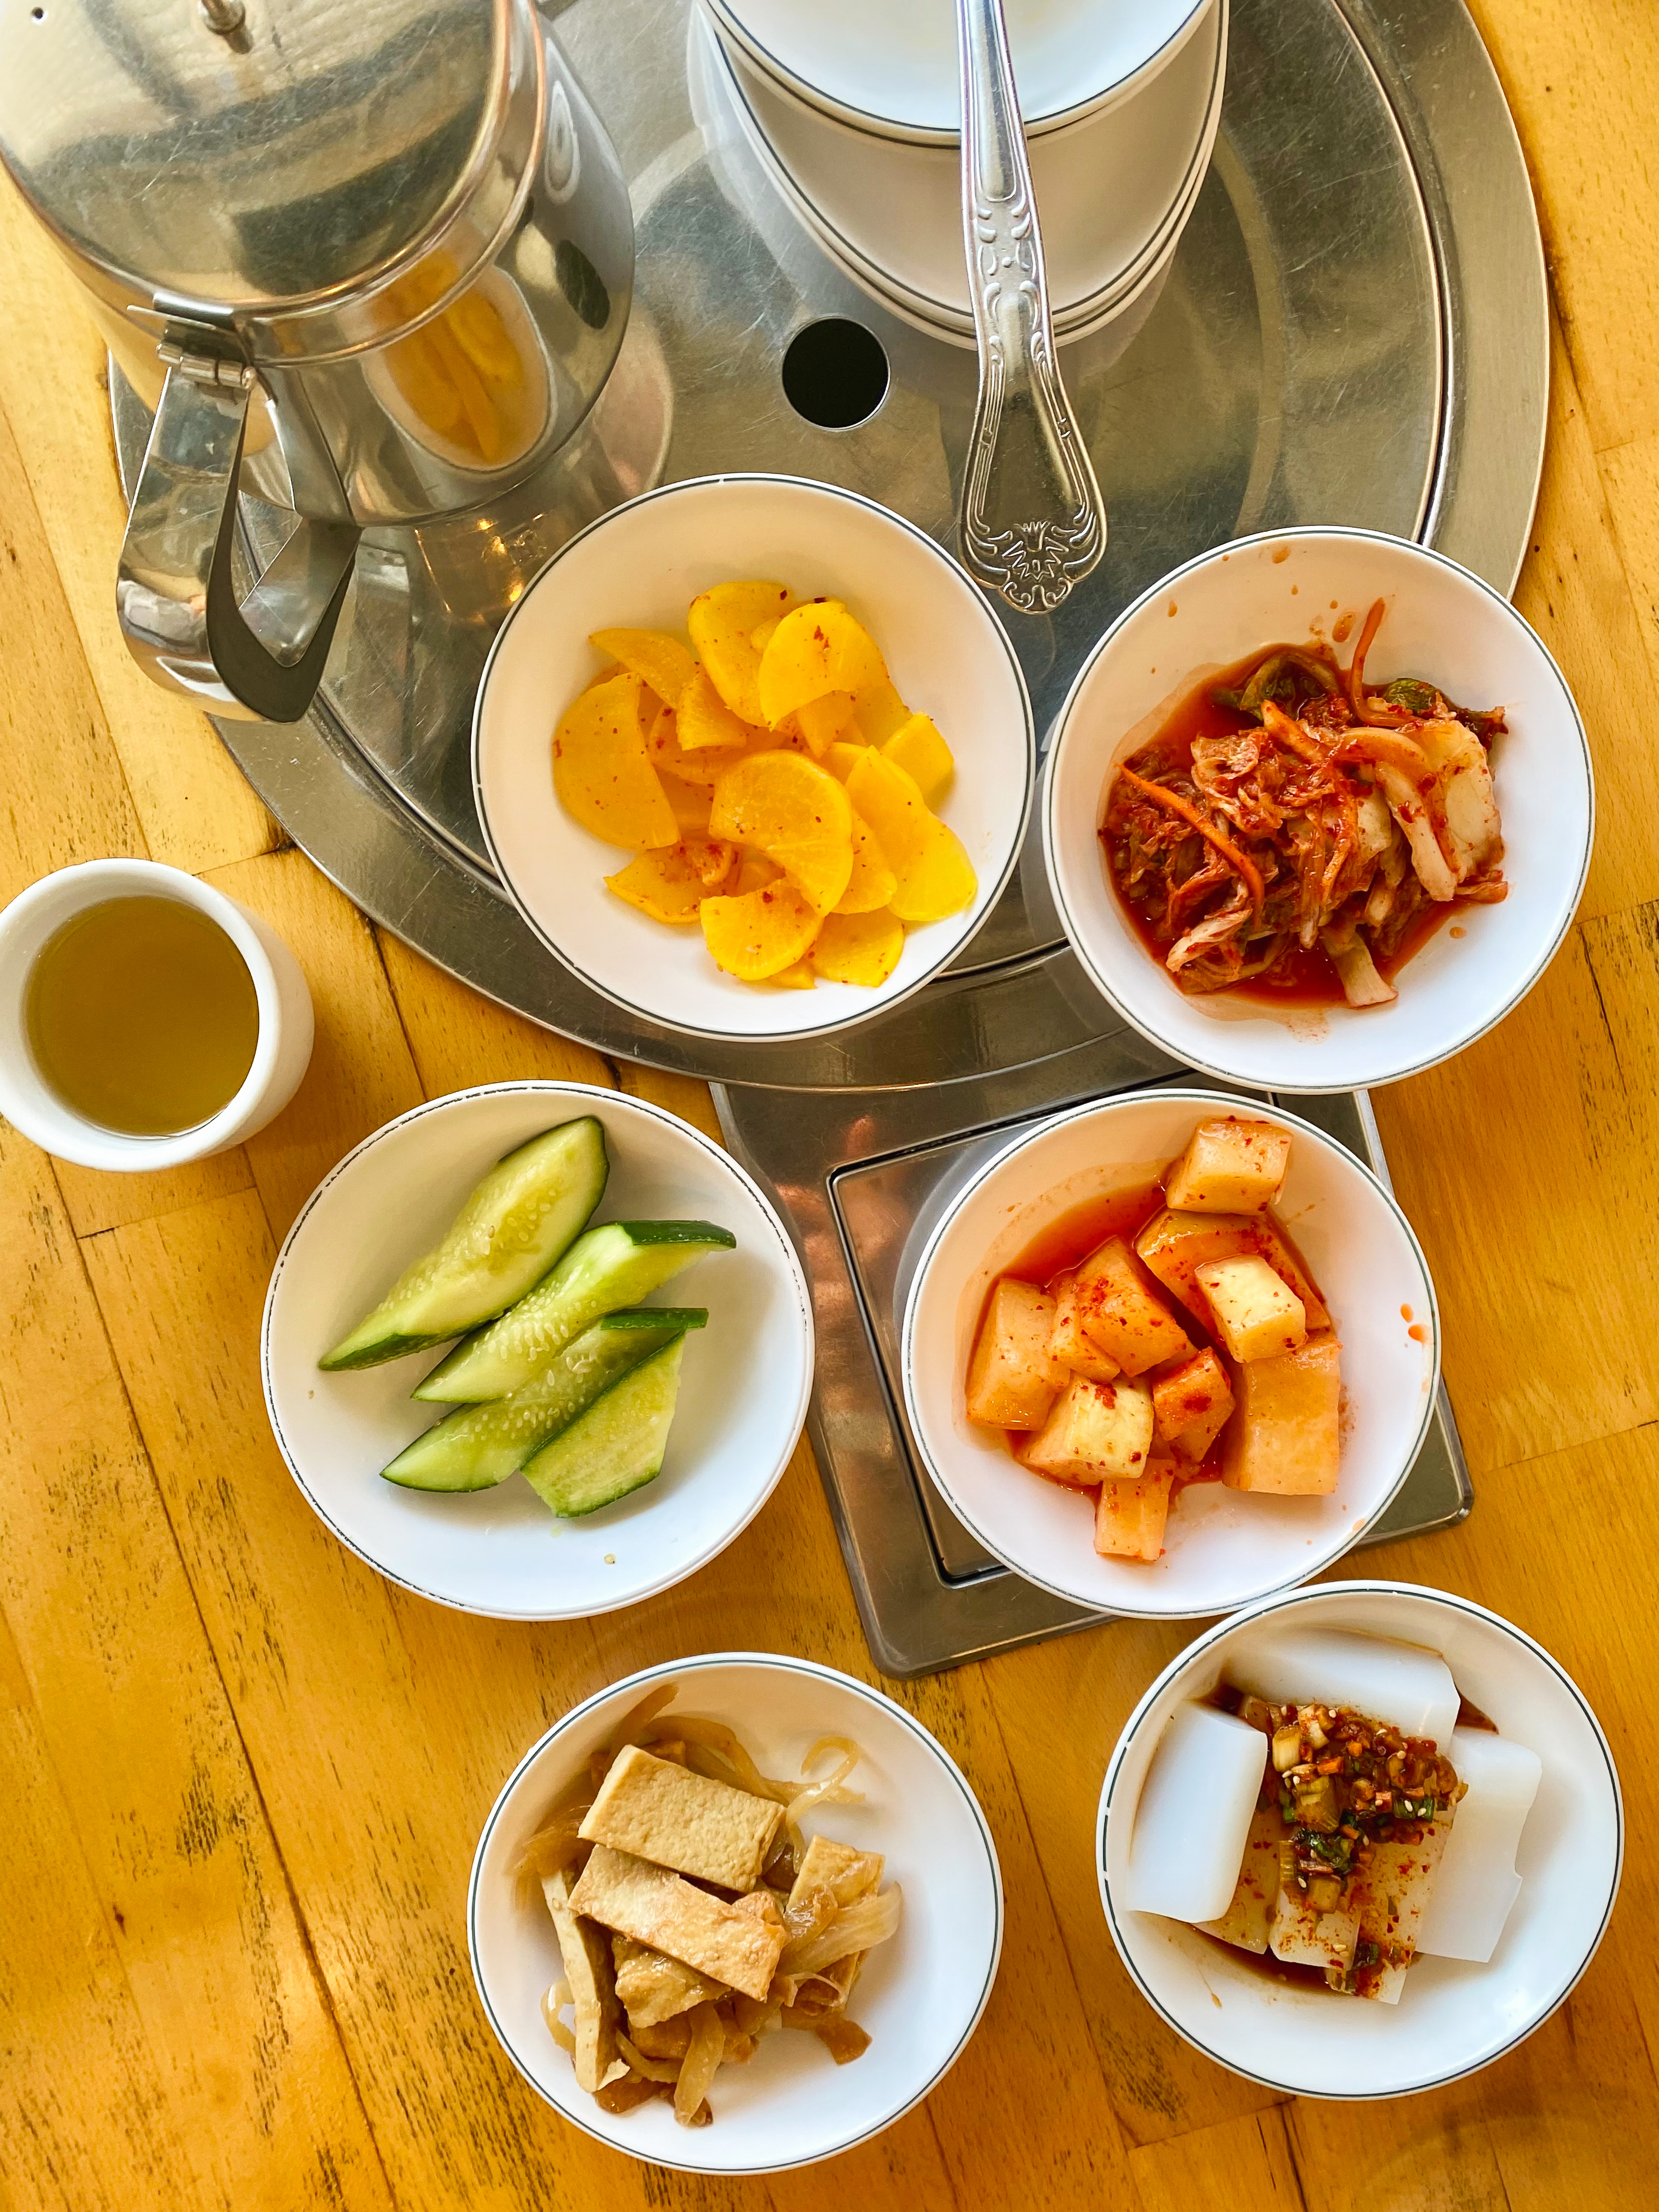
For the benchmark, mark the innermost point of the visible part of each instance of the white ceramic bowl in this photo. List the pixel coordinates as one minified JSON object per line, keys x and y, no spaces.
{"x":1454,"y":2016}
{"x":281,"y":1052}
{"x":1114,"y":191}
{"x":1222,"y":1549}
{"x":892,"y":69}
{"x":641,"y":565}
{"x":921,"y":1995}
{"x":743,"y":1395}
{"x":1443,"y":624}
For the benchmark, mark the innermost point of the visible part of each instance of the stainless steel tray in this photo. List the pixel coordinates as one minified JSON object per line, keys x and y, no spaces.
{"x":1354,"y":330}
{"x":862,"y":1175}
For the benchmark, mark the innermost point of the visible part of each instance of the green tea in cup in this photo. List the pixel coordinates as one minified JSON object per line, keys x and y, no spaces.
{"x":141,"y":1016}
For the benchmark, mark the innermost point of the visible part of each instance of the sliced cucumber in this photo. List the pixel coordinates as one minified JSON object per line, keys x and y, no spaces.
{"x":614,"y":1447}
{"x":475,"y":1447}
{"x":616,"y":1265}
{"x":522,"y":1218}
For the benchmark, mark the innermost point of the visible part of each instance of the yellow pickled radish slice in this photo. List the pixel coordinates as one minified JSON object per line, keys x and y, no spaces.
{"x":871,"y":884}
{"x":858,"y":948}
{"x":671,"y":884}
{"x":757,"y":934}
{"x":754,"y":871}
{"x":823,"y":721}
{"x":658,"y":660}
{"x":842,"y":758}
{"x":478,"y":407}
{"x":690,"y":804}
{"x":602,"y":770}
{"x":722,"y":623}
{"x":417,"y":370}
{"x":703,"y":767}
{"x":800,"y":977}
{"x":707,"y":721}
{"x":935,"y":875}
{"x":919,"y":750}
{"x":795,"y":812}
{"x":815,"y":648}
{"x":878,"y":712}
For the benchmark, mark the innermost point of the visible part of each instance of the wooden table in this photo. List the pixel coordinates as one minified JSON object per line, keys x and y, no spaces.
{"x":242,"y":1777}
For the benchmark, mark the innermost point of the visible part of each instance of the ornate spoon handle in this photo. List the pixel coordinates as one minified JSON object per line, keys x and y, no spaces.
{"x":1032,"y":522}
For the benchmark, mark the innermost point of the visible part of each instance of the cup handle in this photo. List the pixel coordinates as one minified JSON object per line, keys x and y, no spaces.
{"x":259,"y":660}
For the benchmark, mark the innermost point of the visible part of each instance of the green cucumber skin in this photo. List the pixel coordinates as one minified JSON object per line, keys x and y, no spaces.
{"x":478,"y":1447}
{"x":617,"y":1264}
{"x":477,"y":1272}
{"x":617,"y":1445}
{"x":376,"y":1354}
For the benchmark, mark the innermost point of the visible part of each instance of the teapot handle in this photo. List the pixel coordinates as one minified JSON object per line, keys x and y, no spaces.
{"x":261,"y":660}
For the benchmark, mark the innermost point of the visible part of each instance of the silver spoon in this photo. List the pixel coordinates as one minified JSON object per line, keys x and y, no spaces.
{"x":1032,"y":522}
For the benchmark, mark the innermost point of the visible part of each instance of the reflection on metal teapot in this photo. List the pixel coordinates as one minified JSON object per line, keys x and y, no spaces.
{"x":471,"y":383}
{"x":378,"y":261}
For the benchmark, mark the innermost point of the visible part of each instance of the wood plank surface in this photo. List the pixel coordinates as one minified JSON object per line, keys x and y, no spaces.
{"x":115,"y":1680}
{"x":196,"y":809}
{"x":245,"y":1775}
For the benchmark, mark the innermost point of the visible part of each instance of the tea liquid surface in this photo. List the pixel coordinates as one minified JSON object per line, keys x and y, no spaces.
{"x":142,"y":1016}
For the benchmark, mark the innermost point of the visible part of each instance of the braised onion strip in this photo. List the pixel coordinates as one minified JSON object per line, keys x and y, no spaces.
{"x":869,"y":1920}
{"x":553,"y":2004}
{"x":828,"y":1789}
{"x":635,"y":1722}
{"x":650,"y":2069}
{"x":700,"y":2065}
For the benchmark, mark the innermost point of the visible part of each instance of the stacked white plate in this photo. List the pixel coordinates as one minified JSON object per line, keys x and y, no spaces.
{"x":867,"y":151}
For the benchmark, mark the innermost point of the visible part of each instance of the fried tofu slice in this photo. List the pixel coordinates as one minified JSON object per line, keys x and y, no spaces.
{"x":652,"y":1988}
{"x":1230,"y":1166}
{"x":658,"y":1811}
{"x":1173,"y":1246}
{"x":846,"y":1873}
{"x":1012,"y":1380}
{"x":1285,"y":1437}
{"x":848,"y":1876}
{"x":1121,"y":1317}
{"x":738,"y":1944}
{"x":1190,"y":1406}
{"x":1257,"y":1314}
{"x":1130,"y":1516}
{"x":1069,"y":1344}
{"x":585,"y":1951}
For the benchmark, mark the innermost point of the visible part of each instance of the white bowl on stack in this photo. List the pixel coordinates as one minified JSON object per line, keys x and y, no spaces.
{"x":867,"y":156}
{"x":892,"y":69}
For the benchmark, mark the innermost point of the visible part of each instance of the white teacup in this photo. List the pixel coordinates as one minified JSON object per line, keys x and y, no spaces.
{"x":281,"y":1052}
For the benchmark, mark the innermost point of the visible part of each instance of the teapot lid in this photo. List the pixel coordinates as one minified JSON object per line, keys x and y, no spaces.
{"x":277,"y":164}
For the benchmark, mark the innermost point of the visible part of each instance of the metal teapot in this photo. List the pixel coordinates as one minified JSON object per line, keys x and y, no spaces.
{"x":370,"y":259}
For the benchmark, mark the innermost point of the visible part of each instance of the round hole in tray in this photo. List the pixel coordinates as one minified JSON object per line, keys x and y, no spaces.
{"x":835,"y":373}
